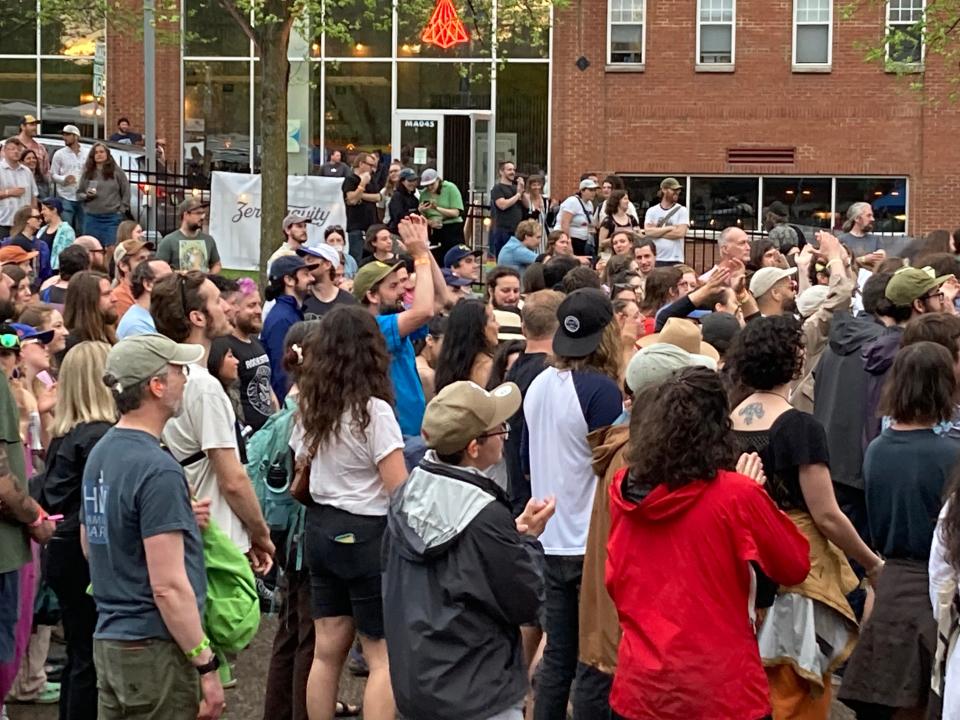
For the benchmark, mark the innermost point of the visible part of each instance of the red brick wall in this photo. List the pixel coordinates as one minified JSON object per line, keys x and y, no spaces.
{"x":856,"y":120}
{"x":125,"y":82}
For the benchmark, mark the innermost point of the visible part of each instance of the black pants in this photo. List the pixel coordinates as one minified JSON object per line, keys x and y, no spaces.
{"x":446,"y":236}
{"x":559,"y":666}
{"x":591,"y":698}
{"x":286,"y":693}
{"x":69,"y":575}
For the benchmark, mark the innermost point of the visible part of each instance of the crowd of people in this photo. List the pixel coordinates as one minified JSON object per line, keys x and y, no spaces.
{"x":585,"y":479}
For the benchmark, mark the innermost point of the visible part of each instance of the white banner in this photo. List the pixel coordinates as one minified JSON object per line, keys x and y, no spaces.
{"x":235,"y":213}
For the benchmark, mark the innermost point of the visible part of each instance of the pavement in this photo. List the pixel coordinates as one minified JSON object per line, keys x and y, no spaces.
{"x":245,"y":701}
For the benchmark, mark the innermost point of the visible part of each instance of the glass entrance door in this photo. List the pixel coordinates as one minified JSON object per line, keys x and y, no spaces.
{"x":420,"y":138}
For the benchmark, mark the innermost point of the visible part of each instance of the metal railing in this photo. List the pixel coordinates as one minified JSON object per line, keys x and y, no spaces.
{"x":155,"y":198}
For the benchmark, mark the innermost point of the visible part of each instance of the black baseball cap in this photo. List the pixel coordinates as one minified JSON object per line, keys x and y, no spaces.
{"x":583,"y":315}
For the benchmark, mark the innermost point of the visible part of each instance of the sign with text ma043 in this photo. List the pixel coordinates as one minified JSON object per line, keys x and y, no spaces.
{"x":235,"y":213}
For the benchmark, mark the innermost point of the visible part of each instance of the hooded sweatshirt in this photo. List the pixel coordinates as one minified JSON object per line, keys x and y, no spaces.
{"x":678,"y":571}
{"x":840,"y":392}
{"x":458,"y":581}
{"x":877,"y":360}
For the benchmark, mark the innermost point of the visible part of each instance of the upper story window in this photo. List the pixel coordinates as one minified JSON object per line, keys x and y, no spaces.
{"x":812,"y":32}
{"x":715,"y":32}
{"x":626,"y":39}
{"x":904,"y":31}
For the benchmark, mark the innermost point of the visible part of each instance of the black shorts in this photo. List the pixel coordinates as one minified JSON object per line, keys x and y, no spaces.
{"x":343,"y":554}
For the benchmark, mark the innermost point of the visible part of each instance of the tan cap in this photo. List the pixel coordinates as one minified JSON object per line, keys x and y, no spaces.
{"x":130,"y":247}
{"x":684,"y":334}
{"x":463,"y":411}
{"x":141,"y":357}
{"x":670,"y":184}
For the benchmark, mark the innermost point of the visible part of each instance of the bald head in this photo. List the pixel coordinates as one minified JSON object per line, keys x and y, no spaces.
{"x":89,"y":242}
{"x":98,"y":258}
{"x":734,"y":244}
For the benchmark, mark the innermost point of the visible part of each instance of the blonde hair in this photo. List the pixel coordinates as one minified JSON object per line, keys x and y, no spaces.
{"x":81,"y":395}
{"x":606,"y":359}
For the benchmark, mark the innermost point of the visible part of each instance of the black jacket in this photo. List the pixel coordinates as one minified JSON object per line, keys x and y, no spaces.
{"x":458,"y":582}
{"x":402,"y":203}
{"x":840,"y":391}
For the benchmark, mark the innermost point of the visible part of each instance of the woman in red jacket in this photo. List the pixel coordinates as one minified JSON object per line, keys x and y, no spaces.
{"x":685,"y":534}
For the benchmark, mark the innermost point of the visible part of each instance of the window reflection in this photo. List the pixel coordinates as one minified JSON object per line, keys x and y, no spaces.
{"x":443,"y":86}
{"x":522,"y":114}
{"x":887,"y":196}
{"x":523,"y":28}
{"x":357,"y":109}
{"x":807,"y":199}
{"x":18,"y":28}
{"x":724,"y":202}
{"x":18,"y":90}
{"x":66,"y":88}
{"x":216,"y":117}
{"x":359,"y":30}
{"x":72,"y":37}
{"x":209,"y":30}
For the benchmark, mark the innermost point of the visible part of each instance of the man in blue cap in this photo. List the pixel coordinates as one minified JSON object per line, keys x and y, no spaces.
{"x":291,"y":280}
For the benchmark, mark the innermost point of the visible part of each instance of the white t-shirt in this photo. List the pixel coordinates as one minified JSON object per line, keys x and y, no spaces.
{"x":344,"y":473}
{"x":579,"y":222}
{"x":206,"y":423}
{"x":668,"y":250}
{"x":10,"y":178}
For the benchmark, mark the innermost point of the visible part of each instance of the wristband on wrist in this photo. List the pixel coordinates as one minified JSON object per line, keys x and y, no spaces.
{"x":421,"y":261}
{"x":204,"y":644}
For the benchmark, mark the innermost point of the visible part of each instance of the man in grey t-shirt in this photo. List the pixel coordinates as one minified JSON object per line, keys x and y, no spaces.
{"x":858,"y":233}
{"x":188,"y":247}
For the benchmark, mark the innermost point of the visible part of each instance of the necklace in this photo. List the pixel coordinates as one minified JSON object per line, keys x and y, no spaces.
{"x":767,"y":392}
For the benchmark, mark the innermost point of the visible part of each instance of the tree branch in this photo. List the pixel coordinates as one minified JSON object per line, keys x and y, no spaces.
{"x":242,"y":21}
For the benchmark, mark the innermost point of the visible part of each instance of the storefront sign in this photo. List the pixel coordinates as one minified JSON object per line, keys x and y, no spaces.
{"x":235,"y":213}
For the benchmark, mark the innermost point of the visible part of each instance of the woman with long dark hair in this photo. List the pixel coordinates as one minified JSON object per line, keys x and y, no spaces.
{"x":905,"y":471}
{"x":766,"y":356}
{"x":105,"y":192}
{"x":617,"y":218}
{"x":688,"y":648}
{"x":469,"y":344}
{"x":347,"y":432}
{"x":29,"y":159}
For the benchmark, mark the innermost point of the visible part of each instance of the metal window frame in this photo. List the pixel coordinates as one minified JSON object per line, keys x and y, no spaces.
{"x":889,"y":24}
{"x":732,"y":23}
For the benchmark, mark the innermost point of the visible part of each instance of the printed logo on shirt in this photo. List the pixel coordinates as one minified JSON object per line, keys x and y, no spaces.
{"x":193,"y":255}
{"x":571,"y":323}
{"x":258,"y":391}
{"x":95,"y":511}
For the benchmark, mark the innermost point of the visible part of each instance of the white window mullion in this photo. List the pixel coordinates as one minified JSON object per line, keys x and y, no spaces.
{"x":904,"y":16}
{"x":716,"y":32}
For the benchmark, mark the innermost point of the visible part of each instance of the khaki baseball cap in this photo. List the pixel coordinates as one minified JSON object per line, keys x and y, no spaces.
{"x":141,"y":357}
{"x":463,"y":411}
{"x":369,"y":275}
{"x":130,"y":247}
{"x":670,"y":184}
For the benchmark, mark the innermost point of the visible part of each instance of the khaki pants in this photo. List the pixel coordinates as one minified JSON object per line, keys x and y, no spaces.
{"x":145,"y":680}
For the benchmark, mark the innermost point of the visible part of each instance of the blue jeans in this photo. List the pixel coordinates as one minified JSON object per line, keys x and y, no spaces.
{"x":559,"y":666}
{"x":9,"y":614}
{"x":103,"y":226}
{"x":73,"y":214}
{"x":355,"y":244}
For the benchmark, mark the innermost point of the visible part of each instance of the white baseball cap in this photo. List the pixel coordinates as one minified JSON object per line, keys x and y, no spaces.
{"x":71,"y":129}
{"x":765,"y":278}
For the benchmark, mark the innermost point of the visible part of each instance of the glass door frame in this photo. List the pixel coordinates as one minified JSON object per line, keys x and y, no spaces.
{"x":399,"y":116}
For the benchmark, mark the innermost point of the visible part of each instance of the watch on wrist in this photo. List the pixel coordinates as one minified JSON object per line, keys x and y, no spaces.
{"x":208,"y":667}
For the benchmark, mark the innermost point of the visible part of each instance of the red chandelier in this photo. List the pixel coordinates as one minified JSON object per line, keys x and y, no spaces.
{"x":445,"y":28}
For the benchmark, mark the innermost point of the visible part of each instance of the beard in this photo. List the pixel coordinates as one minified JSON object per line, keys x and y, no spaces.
{"x":8,"y":310}
{"x":789,"y":306}
{"x":98,"y":265}
{"x":249,"y":326}
{"x":867,"y":229}
{"x":387,"y":309}
{"x":110,"y":316}
{"x":194,"y":227}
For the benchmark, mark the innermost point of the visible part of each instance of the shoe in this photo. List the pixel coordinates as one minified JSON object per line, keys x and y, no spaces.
{"x":268,"y":597}
{"x":227,"y":680}
{"x":49,"y":695}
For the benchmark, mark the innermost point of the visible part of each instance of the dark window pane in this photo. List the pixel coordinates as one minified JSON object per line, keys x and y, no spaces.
{"x":18,"y":28}
{"x":720,"y":202}
{"x":18,"y":90}
{"x":357,"y":111}
{"x":808,"y":199}
{"x":67,"y":96}
{"x":716,"y":43}
{"x":447,"y":86}
{"x":887,"y":196}
{"x":904,"y":44}
{"x":216,"y":116}
{"x":643,"y":190}
{"x":523,"y":28}
{"x":355,"y":29}
{"x":522,"y":114}
{"x":412,"y":18}
{"x":211,"y":31}
{"x":626,"y":43}
{"x":73,"y":37}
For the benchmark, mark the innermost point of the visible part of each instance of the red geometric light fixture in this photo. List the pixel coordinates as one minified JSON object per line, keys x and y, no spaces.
{"x":445,"y":28}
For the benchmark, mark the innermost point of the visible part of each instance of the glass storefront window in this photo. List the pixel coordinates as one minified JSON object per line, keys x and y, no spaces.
{"x":643,"y":190}
{"x":210,"y":31}
{"x":717,"y":203}
{"x":18,"y":90}
{"x":66,"y":88}
{"x":357,"y":108}
{"x":523,"y":29}
{"x":216,"y":116}
{"x":18,"y":28}
{"x":808,"y":199}
{"x":70,"y":37}
{"x":357,"y":30}
{"x":523,"y":114}
{"x":413,"y":16}
{"x":888,"y":196}
{"x":443,"y":86}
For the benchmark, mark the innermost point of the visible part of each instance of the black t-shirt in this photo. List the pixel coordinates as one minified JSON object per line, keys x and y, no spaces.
{"x":612,"y":225}
{"x":524,"y":371}
{"x":362,"y":216}
{"x":505,"y":219}
{"x":254,"y":371}
{"x":795,"y":438}
{"x":314,"y":308}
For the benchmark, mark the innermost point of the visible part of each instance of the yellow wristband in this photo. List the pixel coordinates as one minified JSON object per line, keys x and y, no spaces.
{"x":421,"y":261}
{"x":204,"y":644}
{"x":835,"y":260}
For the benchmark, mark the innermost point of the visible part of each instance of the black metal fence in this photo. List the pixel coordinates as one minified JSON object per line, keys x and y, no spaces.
{"x":156,"y":196}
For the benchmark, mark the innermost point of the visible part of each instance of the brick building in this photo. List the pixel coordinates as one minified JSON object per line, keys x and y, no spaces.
{"x":745,"y":101}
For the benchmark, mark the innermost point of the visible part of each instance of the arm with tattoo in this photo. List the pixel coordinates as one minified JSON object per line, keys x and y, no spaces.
{"x":15,"y":501}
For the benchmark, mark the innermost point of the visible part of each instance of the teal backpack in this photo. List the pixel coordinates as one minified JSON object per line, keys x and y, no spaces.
{"x":270,"y":468}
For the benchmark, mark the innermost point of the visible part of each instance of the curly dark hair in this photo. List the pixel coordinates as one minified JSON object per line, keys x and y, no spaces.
{"x":465,"y":339}
{"x":578,"y":278}
{"x":494,"y":276}
{"x":555,"y":271}
{"x":689,"y":416}
{"x":345,"y":365}
{"x":767,"y":352}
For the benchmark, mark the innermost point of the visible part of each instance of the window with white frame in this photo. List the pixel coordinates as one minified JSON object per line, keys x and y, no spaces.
{"x":715,"y":20}
{"x":625,"y":36}
{"x":812,"y":32}
{"x":904,"y":31}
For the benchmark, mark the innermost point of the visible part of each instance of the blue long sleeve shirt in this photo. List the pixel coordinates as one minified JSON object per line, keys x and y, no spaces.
{"x":282,"y":317}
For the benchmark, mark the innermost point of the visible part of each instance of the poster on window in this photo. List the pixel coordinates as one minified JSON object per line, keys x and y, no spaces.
{"x":235,"y":213}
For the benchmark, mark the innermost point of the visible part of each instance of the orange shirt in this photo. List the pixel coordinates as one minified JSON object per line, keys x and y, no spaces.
{"x":122,"y":296}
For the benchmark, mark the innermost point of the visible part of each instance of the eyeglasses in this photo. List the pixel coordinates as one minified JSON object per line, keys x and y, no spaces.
{"x":504,"y":431}
{"x":938,"y":295}
{"x":10,"y":341}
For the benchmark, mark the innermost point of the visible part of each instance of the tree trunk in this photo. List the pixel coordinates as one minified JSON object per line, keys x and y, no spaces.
{"x":274,"y":74}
